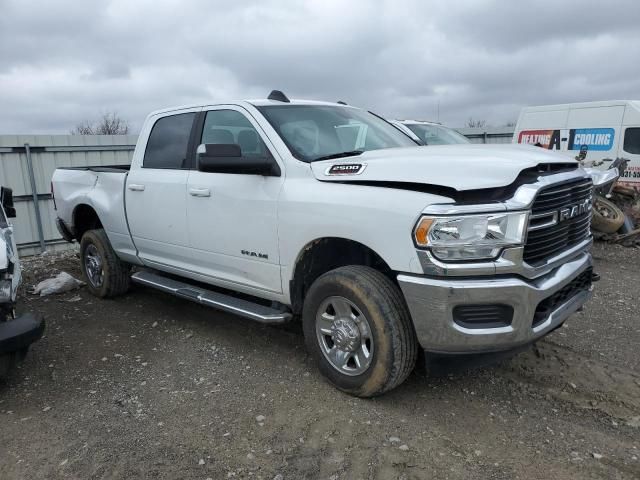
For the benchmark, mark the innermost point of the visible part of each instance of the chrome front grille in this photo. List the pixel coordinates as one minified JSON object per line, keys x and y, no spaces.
{"x":560,"y":219}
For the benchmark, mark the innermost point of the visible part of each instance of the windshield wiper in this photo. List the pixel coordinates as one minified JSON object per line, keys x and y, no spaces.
{"x":350,"y":153}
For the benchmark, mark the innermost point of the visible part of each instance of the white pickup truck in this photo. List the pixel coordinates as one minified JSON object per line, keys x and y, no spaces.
{"x":279,"y":209}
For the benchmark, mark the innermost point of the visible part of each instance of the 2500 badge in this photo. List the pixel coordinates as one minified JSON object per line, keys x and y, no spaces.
{"x":346,"y":169}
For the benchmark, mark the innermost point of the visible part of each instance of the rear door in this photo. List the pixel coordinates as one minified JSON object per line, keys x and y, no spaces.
{"x":630,"y":144}
{"x":631,"y":151}
{"x":155,"y":193}
{"x":232,"y":217}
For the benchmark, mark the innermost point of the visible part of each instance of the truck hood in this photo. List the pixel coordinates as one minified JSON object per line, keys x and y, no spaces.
{"x":461,"y":167}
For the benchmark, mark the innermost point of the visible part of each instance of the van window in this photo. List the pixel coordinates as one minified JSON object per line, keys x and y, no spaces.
{"x":632,"y":141}
{"x":168,"y":142}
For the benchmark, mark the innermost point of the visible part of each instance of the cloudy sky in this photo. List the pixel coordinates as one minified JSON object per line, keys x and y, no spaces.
{"x":62,"y":62}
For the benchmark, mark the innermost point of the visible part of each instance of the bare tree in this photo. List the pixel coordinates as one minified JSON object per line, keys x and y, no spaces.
{"x":471,"y":123}
{"x":510,"y":123}
{"x":108,"y":124}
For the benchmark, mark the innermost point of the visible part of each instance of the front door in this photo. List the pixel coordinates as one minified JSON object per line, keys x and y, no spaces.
{"x":233,"y":218}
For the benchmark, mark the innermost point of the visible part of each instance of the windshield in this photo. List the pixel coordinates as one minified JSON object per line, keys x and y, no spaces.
{"x":436,"y":134}
{"x":313,"y":132}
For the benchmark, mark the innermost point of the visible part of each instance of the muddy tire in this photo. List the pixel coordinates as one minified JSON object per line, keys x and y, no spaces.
{"x":607,"y":217}
{"x":106,"y":275}
{"x":358,"y":329}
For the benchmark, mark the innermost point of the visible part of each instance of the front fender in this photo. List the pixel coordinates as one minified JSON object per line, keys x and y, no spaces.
{"x":379,"y":218}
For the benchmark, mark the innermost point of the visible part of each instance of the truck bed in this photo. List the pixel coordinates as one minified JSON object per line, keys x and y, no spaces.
{"x":97,"y":189}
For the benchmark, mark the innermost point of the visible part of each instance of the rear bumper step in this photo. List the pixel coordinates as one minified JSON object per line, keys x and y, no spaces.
{"x":220,"y":301}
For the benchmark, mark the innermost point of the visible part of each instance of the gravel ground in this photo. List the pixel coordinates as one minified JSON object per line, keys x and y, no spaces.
{"x":150,"y":386}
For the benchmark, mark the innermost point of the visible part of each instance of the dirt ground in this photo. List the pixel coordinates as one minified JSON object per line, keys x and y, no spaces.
{"x":150,"y":386}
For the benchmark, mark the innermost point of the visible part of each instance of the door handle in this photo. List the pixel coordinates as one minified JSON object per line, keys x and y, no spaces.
{"x":199,"y":192}
{"x":134,"y":187}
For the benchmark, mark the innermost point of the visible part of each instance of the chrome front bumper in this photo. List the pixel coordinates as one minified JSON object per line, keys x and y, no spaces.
{"x":431,"y":302}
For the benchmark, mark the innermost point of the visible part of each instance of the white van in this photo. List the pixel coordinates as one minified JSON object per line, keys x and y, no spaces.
{"x":598,"y":130}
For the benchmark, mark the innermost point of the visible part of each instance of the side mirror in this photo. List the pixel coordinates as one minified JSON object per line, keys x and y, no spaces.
{"x":227,"y":158}
{"x":6,"y":198}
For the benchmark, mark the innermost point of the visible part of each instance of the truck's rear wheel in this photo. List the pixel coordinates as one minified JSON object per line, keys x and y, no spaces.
{"x":358,"y":329}
{"x":106,"y":275}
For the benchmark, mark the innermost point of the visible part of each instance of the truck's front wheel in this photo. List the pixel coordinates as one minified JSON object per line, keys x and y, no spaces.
{"x":106,"y":275}
{"x":358,"y":329}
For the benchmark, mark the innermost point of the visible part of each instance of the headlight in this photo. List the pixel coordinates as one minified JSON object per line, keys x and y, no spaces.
{"x":470,"y":237}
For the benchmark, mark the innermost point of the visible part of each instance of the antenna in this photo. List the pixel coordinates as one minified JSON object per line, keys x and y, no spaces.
{"x":341,"y":102}
{"x":278,"y":96}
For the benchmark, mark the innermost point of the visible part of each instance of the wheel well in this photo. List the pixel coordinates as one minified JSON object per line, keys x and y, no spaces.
{"x":325,"y":254}
{"x":84,"y":218}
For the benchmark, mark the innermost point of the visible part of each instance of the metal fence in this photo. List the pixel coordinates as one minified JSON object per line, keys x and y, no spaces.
{"x":488,"y":134}
{"x":27,"y":163}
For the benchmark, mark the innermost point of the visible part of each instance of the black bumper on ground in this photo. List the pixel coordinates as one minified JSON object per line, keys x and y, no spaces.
{"x":18,"y":334}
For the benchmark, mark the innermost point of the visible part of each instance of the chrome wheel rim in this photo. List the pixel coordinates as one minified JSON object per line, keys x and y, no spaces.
{"x":93,"y":266}
{"x":344,"y":336}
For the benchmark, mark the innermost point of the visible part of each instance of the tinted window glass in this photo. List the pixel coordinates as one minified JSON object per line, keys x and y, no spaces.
{"x":632,"y":140}
{"x":230,"y":126}
{"x":315,"y":131}
{"x":168,"y":142}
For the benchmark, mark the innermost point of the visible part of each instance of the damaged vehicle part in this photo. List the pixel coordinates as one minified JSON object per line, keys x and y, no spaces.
{"x":607,"y":216}
{"x":17,"y":332}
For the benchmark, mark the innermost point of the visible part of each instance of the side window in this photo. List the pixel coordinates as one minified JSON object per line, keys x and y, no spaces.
{"x":168,"y":142}
{"x":632,"y":141}
{"x":232,"y":127}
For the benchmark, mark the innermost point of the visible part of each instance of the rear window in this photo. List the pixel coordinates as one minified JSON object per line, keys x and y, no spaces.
{"x":632,"y":141}
{"x":168,"y":142}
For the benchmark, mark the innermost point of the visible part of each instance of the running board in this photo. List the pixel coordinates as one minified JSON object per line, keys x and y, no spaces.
{"x":220,"y":301}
